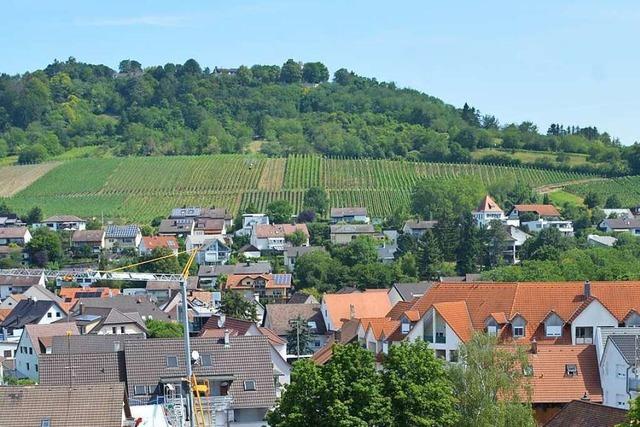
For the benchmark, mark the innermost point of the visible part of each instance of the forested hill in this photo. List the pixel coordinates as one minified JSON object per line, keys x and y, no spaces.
{"x":277,"y":110}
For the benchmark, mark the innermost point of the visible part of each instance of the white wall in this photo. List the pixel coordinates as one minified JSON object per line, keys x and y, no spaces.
{"x":25,"y":362}
{"x":594,"y":315}
{"x":54,"y":314}
{"x":614,"y":385}
{"x":129,"y":328}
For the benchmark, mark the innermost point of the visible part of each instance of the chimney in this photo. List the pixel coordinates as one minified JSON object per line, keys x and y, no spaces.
{"x":81,"y":308}
{"x":221,"y":320}
{"x":587,"y":289}
{"x":227,"y":342}
{"x":534,"y":346}
{"x":585,"y":397}
{"x":352,"y":311}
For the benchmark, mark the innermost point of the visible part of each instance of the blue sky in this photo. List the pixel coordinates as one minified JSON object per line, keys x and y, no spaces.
{"x":573,"y":62}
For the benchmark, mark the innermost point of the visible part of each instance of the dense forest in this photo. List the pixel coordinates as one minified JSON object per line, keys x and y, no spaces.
{"x":276,"y":110}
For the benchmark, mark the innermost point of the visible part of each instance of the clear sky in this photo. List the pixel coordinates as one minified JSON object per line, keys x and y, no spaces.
{"x":572,"y":62}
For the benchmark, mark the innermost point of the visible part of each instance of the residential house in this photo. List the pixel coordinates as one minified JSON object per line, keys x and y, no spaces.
{"x":417,"y":228}
{"x":58,"y":405}
{"x":40,"y":293}
{"x":30,"y":312}
{"x":35,"y":341}
{"x":618,"y":213}
{"x":535,"y":211}
{"x":213,"y":252}
{"x":338,"y":308}
{"x":180,"y":227}
{"x":70,"y":295}
{"x":488,"y":210}
{"x":197,"y":213}
{"x":9,"y":343}
{"x":272,"y":237}
{"x":550,"y":313}
{"x":565,"y":227}
{"x":376,"y":334}
{"x":249,"y":251}
{"x":125,"y":304}
{"x":388,"y":246}
{"x":407,"y":291}
{"x":82,"y":368}
{"x":208,"y":274}
{"x":249,"y":221}
{"x":92,"y":239}
{"x":238,"y":369}
{"x":268,"y":287}
{"x":162,"y":290}
{"x":619,"y":369}
{"x":300,"y":297}
{"x":63,"y":222}
{"x":119,"y":237}
{"x":218,"y":325}
{"x":199,"y":309}
{"x":14,"y":235}
{"x":349,"y":215}
{"x":107,"y":321}
{"x":292,"y":253}
{"x":342,"y":234}
{"x":279,"y":318}
{"x":91,"y":344}
{"x":601,"y":241}
{"x":11,"y":301}
{"x":622,"y":225}
{"x":514,"y":241}
{"x":11,"y":220}
{"x":217,"y":71}
{"x":149,"y":243}
{"x":582,"y":413}
{"x":560,"y":374}
{"x":210,"y":227}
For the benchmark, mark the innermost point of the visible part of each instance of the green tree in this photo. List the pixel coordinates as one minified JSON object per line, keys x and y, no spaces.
{"x":361,"y":250}
{"x":469,"y":247}
{"x":429,"y":256}
{"x":494,"y":239}
{"x":316,"y":198}
{"x":34,"y":154}
{"x":420,"y":390}
{"x":233,"y":304}
{"x":33,"y":216}
{"x":279,"y":211}
{"x":314,"y":270}
{"x":291,"y":72}
{"x":490,"y":385}
{"x":297,"y":238}
{"x":44,"y":247}
{"x":162,"y":329}
{"x":299,"y":337}
{"x":592,"y":199}
{"x":168,"y":264}
{"x":633,"y":416}
{"x":314,"y":72}
{"x":613,"y":202}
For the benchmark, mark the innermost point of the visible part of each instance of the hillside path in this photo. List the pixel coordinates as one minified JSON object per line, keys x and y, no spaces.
{"x":550,"y":188}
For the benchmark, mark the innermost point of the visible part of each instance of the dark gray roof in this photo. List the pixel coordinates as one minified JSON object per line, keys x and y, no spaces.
{"x":122,"y":231}
{"x":85,"y":368}
{"x":420,"y":225}
{"x":25,"y":312}
{"x":27,"y":406}
{"x":352,"y":229}
{"x":627,"y":344}
{"x":246,"y":358}
{"x":177,"y":226}
{"x":296,"y":251}
{"x":340,"y":212}
{"x":87,"y":236}
{"x":622,"y":223}
{"x":251,"y":268}
{"x":579,"y":413}
{"x":15,"y":280}
{"x":91,"y":343}
{"x":279,"y":315}
{"x":302,"y":298}
{"x":125,"y":304}
{"x":409,"y":291}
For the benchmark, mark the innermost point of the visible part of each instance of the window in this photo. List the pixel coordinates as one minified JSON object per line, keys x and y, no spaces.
{"x":528,"y":371}
{"x":30,"y":350}
{"x":122,"y":329}
{"x":317,"y":343}
{"x":453,"y":356}
{"x":28,"y":366}
{"x":114,"y":330}
{"x":46,"y":422}
{"x":250,"y":385}
{"x":571,"y":369}
{"x":205,"y":360}
{"x":518,"y":331}
{"x":311,"y":324}
{"x":172,"y":361}
{"x":584,"y":335}
{"x":49,"y":314}
{"x":36,"y":367}
{"x":554,"y":331}
{"x":621,"y":400}
{"x":621,"y":371}
{"x":7,"y":354}
{"x":139,"y":390}
{"x":492,"y":330}
{"x":385,"y":347}
{"x":116,"y":346}
{"x":441,"y":354}
{"x":57,"y":314}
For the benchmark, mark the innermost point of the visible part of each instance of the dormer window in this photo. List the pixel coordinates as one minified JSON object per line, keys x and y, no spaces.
{"x":632,"y":320}
{"x":518,"y":325}
{"x":405,"y":325}
{"x":492,"y":330}
{"x":571,"y":369}
{"x":518,"y":331}
{"x":553,"y":325}
{"x":250,"y":385}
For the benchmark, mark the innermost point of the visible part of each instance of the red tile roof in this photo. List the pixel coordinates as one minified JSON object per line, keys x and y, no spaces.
{"x":542,"y":210}
{"x":550,"y":382}
{"x":152,"y":242}
{"x":456,"y":314}
{"x":533,"y":300}
{"x":380,"y":326}
{"x":365,"y":304}
{"x":234,"y":281}
{"x":488,"y":205}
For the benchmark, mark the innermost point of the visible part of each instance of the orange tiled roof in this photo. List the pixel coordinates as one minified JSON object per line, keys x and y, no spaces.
{"x":324,"y":354}
{"x":400,"y":308}
{"x":500,"y":318}
{"x":152,"y":242}
{"x":542,"y":210}
{"x":279,"y":230}
{"x":4,"y":312}
{"x":456,"y":314}
{"x":234,"y":281}
{"x":549,"y":381}
{"x":533,"y":300}
{"x":365,"y":304}
{"x":380,"y":326}
{"x":488,"y":205}
{"x":272,"y":336}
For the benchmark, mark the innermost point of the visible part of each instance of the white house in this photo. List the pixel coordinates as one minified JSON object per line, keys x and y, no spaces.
{"x":213,"y":252}
{"x":18,"y":284}
{"x":351,"y":215}
{"x":249,"y":221}
{"x":564,"y":226}
{"x":417,"y":228}
{"x":17,"y":235}
{"x":37,"y":340}
{"x":619,"y":370}
{"x":487,"y":211}
{"x":63,"y":222}
{"x":621,"y":225}
{"x":119,"y":237}
{"x":272,"y":237}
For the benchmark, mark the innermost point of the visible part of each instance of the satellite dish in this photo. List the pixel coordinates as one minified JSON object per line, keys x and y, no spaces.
{"x":195,"y":356}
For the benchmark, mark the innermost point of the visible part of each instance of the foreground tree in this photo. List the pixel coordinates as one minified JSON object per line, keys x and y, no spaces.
{"x":429,"y":256}
{"x":279,"y":212}
{"x":299,"y":337}
{"x":417,"y":383}
{"x":161,"y":329}
{"x":233,"y":304}
{"x":490,"y":385}
{"x":44,"y":247}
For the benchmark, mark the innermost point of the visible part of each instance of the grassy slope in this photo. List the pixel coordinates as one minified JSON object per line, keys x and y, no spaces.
{"x":526,"y":156}
{"x":141,"y":188}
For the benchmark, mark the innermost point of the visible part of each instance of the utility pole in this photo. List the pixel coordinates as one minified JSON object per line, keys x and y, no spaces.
{"x":187,"y":350}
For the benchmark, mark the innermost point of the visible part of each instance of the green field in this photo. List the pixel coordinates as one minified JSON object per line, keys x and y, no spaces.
{"x":627,"y":188}
{"x":526,"y":156}
{"x":142,"y":188}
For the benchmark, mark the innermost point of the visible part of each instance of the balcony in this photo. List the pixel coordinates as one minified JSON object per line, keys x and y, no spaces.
{"x":440,"y":339}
